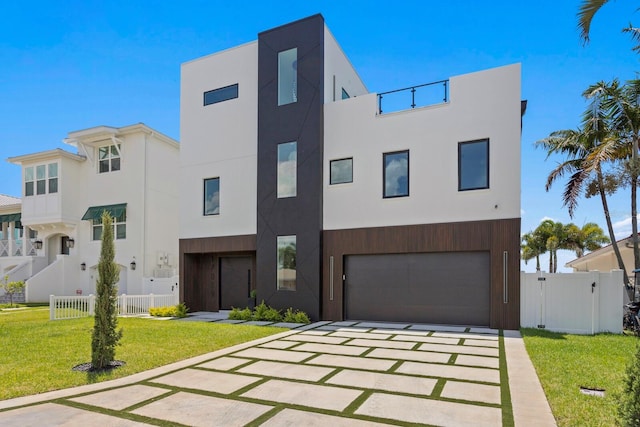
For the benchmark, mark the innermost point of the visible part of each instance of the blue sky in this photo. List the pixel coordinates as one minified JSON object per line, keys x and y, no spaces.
{"x":71,"y":65}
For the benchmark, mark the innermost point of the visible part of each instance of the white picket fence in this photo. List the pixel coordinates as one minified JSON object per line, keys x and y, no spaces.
{"x":73,"y":307}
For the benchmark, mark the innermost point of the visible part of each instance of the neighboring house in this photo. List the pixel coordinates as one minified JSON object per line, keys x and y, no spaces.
{"x":14,"y":244}
{"x":294,"y":181}
{"x":131,"y":172}
{"x":604,"y":259}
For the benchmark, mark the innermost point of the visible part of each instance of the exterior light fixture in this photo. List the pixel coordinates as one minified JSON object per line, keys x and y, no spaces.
{"x":71,"y":243}
{"x":83,"y":266}
{"x":38,"y":244}
{"x":133,"y":264}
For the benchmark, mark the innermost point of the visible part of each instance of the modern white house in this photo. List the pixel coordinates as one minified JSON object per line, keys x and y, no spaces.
{"x":300,"y":184}
{"x":130,"y":172}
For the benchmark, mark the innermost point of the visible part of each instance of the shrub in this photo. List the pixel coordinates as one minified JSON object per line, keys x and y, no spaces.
{"x":179,"y":310}
{"x":629,"y":409}
{"x":296,"y":316}
{"x":240,"y":314}
{"x":273,"y":315}
{"x":260,"y":311}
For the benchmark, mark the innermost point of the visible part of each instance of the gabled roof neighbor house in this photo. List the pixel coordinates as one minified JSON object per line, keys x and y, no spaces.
{"x":604,"y":259}
{"x":130,"y":172}
{"x":300,"y":184}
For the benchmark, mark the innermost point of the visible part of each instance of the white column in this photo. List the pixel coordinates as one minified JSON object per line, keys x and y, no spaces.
{"x":25,"y":240}
{"x":11,"y":238}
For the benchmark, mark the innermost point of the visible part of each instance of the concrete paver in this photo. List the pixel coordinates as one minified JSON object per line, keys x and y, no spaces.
{"x":472,"y":392}
{"x":426,"y":411}
{"x":401,"y":332}
{"x":482,"y":361}
{"x":315,"y":396}
{"x":121,"y":398}
{"x":347,"y":350}
{"x":51,"y":414}
{"x":316,"y":339}
{"x":286,"y":370}
{"x":352,"y":362}
{"x":224,"y":363}
{"x":430,"y":339}
{"x":478,"y":351}
{"x":442,"y":328}
{"x":385,"y":325}
{"x":481,"y":343}
{"x":314,"y":332}
{"x":343,"y":323}
{"x":419,"y":356}
{"x":294,"y":417}
{"x":273,"y":354}
{"x":402,"y":345}
{"x":206,"y":411}
{"x":281,"y":345}
{"x":386,"y":382}
{"x":357,"y":334}
{"x":450,"y":371}
{"x":465,"y":335}
{"x":217,"y":382}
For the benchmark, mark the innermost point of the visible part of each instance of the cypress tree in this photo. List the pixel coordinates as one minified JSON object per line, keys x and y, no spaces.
{"x":105,"y":334}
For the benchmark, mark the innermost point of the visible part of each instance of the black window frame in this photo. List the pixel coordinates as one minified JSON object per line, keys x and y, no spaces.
{"x":475,"y":141}
{"x":331,"y":182}
{"x":204,"y":196}
{"x":384,"y":175}
{"x":223,"y":98}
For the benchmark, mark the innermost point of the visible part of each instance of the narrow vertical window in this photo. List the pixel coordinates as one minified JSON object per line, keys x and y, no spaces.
{"x":41,"y":179}
{"x":286,"y":263}
{"x":288,"y":76}
{"x":287,"y":169}
{"x":473,"y":165}
{"x":28,"y":181}
{"x":53,"y":177}
{"x":396,"y":174}
{"x":211,"y":196}
{"x":341,"y":171}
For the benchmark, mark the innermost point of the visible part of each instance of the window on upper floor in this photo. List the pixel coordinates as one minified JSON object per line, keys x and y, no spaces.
{"x":473,"y":165}
{"x":395,"y":174}
{"x":211,"y":196}
{"x":109,"y":158}
{"x":41,"y":179}
{"x":287,"y":169}
{"x":119,"y":227}
{"x":286,"y":268}
{"x":341,"y":171}
{"x":221,"y":94}
{"x":288,"y":76}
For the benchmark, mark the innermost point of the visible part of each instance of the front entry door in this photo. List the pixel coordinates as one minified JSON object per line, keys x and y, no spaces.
{"x":235,"y":281}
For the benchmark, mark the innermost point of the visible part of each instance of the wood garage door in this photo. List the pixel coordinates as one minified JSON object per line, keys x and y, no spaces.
{"x":446,"y":288}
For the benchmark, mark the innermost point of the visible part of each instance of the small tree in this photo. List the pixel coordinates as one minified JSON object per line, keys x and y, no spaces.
{"x":11,"y":288}
{"x":105,"y":334}
{"x":629,"y":406}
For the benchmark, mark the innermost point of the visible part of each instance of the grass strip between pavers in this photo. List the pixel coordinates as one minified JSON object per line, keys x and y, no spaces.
{"x":120,"y":414}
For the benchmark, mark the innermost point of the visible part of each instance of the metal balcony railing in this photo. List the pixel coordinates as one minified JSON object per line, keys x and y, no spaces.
{"x":420,"y":96}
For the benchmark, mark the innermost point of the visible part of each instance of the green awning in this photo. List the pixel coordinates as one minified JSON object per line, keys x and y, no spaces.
{"x":95,"y":212}
{"x":10,"y":217}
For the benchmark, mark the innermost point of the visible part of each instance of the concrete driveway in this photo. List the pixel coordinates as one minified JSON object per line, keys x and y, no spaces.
{"x":327,"y":373}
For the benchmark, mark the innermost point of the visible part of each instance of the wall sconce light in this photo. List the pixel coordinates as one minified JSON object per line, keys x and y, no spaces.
{"x":83,"y":266}
{"x":71,"y":243}
{"x":133,"y":264}
{"x":38,"y":244}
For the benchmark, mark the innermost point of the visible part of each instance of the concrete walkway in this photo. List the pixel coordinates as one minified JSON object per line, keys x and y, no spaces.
{"x":327,"y":373}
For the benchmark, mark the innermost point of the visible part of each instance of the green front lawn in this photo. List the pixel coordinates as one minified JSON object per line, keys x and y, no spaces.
{"x":566,"y":362}
{"x":36,"y":355}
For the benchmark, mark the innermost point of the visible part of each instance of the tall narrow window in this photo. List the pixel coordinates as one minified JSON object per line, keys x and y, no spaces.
{"x":287,"y":169}
{"x":396,"y":174}
{"x":288,"y":76}
{"x":211,"y":196}
{"x":341,"y":171}
{"x":41,"y":179}
{"x":473,"y":165}
{"x":109,"y":158}
{"x":286,"y":263}
{"x":28,"y":181}
{"x":53,"y":177}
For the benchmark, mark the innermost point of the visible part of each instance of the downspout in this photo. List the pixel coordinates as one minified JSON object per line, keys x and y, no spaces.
{"x":144,"y":210}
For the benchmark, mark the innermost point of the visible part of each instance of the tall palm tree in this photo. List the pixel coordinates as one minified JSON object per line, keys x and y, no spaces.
{"x":586,"y":13}
{"x":584,"y":168}
{"x":533,"y":245}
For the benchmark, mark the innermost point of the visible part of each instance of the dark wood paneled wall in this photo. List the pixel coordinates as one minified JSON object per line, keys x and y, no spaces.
{"x":495,"y":236}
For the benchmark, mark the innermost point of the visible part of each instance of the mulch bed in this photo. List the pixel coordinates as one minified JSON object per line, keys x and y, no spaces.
{"x":88,"y":367}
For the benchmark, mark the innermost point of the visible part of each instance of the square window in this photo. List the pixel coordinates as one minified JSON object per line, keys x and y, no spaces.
{"x":109,"y":158}
{"x":287,"y":169}
{"x":396,"y":174}
{"x":211,"y":196}
{"x":286,"y":272}
{"x":473,"y":165}
{"x":341,"y":171}
{"x":288,"y":76}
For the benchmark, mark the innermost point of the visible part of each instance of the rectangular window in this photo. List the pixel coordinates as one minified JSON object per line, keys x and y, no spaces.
{"x":222,"y":94}
{"x":109,"y":158}
{"x":28,"y":181}
{"x":341,"y":171}
{"x":288,"y":76}
{"x":41,"y":179}
{"x":119,"y":227}
{"x":53,"y":177}
{"x":396,"y":174}
{"x":287,"y":169}
{"x":473,"y":165}
{"x":345,"y":95}
{"x":286,"y":263}
{"x":211,"y":196}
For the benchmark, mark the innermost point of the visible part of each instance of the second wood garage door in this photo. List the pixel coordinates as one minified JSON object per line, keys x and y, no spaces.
{"x":446,"y":288}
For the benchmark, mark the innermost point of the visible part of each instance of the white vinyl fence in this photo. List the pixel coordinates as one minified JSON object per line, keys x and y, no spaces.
{"x":72,"y":307}
{"x":576,"y":303}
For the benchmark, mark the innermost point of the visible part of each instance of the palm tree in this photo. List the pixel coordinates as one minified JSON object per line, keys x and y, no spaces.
{"x":588,"y":238}
{"x":585,"y":169}
{"x":533,"y":246}
{"x":587,"y":11}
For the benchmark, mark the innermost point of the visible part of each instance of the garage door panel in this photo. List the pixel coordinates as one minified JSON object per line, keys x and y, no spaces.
{"x":451,"y":287}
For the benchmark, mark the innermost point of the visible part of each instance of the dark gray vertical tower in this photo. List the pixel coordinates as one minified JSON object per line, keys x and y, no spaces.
{"x":297,"y":119}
